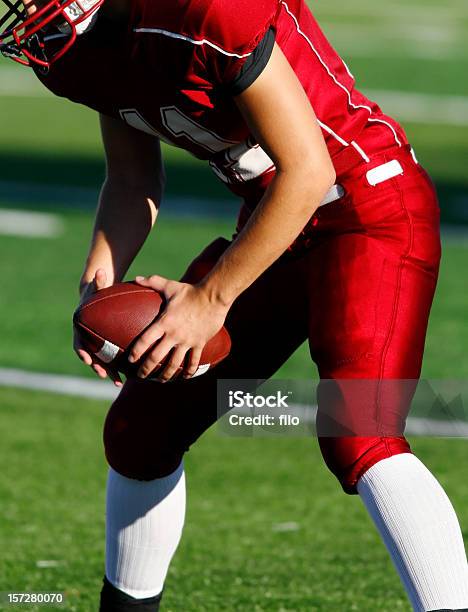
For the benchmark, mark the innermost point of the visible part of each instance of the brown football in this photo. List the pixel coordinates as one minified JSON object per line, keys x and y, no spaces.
{"x":112,"y":319}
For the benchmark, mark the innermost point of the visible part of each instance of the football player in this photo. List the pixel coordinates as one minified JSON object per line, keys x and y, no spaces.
{"x":337,"y":239}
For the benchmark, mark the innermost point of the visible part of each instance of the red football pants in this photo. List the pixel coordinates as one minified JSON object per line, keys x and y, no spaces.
{"x":360,"y":290}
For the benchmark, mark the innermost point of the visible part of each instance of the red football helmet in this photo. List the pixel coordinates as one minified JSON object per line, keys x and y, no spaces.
{"x":24,"y":31}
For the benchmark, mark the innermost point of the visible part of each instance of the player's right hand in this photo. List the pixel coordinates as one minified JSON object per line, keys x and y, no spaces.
{"x":99,"y":282}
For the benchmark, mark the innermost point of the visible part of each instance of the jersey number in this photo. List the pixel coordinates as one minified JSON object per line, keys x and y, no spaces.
{"x":179,"y":126}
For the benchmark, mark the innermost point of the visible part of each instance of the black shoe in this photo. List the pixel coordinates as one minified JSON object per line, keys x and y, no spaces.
{"x":113,"y":600}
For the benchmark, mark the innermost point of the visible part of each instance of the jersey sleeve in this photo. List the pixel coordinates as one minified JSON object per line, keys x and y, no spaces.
{"x":240,"y":36}
{"x":253,"y":65}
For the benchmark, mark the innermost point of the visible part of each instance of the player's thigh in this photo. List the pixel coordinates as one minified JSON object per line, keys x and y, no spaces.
{"x":372,"y":282}
{"x":372,"y":279}
{"x":370,"y":294}
{"x":151,"y":425}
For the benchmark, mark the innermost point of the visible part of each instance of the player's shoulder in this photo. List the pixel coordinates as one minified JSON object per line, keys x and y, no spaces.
{"x":232,"y":24}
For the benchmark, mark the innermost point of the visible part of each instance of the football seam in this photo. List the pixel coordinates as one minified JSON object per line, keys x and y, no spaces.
{"x":96,"y":300}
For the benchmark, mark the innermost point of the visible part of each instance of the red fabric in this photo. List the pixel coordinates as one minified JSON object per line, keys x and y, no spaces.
{"x":359,"y":288}
{"x":164,"y":72}
{"x":350,"y":457}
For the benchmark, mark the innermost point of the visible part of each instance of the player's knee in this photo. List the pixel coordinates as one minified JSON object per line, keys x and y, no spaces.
{"x":348,"y":458}
{"x":134,"y":452}
{"x":140,"y":468}
{"x":142,"y":464}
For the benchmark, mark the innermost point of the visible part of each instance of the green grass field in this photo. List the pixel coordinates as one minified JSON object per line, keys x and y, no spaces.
{"x":237,"y":553}
{"x":43,"y":290}
{"x":234,"y":555}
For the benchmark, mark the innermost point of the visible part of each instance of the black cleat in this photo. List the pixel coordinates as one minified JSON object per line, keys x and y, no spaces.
{"x":113,"y":600}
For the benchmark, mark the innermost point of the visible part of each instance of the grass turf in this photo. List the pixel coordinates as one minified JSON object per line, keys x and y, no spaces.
{"x":232,"y":556}
{"x":242,"y":492}
{"x":40,"y":279}
{"x":409,"y":47}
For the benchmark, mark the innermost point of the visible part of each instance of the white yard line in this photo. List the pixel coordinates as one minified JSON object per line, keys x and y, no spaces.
{"x":375,"y":50}
{"x":85,"y":199}
{"x":27,"y":224}
{"x":399,"y":14}
{"x":441,"y":33}
{"x":56,"y":383}
{"x":415,"y":426}
{"x":438,"y":42}
{"x":407,"y":106}
{"x":416,"y":10}
{"x":423,"y":108}
{"x":103,"y":390}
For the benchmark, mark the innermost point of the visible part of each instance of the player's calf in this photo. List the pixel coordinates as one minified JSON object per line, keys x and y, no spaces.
{"x":412,"y":514}
{"x":144,"y":522}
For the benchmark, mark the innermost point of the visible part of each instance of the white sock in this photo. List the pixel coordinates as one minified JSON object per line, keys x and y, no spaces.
{"x":420,"y":529}
{"x":144,"y":522}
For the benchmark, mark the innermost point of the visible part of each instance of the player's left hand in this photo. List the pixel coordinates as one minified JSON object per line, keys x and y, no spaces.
{"x":189,"y":320}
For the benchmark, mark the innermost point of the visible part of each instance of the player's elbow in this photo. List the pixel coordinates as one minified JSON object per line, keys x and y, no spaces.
{"x":315,"y":181}
{"x":323,"y":172}
{"x":328,"y":176}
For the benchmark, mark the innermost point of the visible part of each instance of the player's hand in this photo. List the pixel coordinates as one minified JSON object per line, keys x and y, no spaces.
{"x":188,"y":322}
{"x":99,"y":282}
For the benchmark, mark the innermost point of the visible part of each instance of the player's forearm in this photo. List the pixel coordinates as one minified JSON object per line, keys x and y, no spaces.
{"x":287,"y":206}
{"x":124,"y":219}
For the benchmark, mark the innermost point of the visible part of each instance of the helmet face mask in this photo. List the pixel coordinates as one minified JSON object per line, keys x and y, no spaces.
{"x":24,"y":34}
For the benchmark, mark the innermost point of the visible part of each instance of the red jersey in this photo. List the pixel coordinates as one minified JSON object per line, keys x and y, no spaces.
{"x":174,"y":67}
